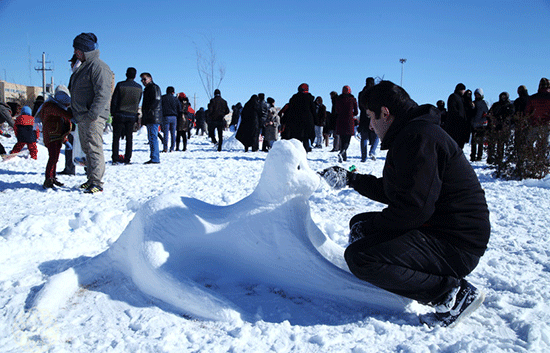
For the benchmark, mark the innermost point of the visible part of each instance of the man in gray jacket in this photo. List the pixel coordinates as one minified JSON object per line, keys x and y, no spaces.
{"x":91,"y":86}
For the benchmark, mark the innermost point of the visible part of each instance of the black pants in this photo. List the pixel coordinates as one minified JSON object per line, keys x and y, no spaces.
{"x":219,"y":125}
{"x":126,"y":129}
{"x":181,"y":135}
{"x":414,"y":265}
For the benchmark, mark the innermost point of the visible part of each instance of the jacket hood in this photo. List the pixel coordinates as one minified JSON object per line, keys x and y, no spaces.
{"x":426,"y":113}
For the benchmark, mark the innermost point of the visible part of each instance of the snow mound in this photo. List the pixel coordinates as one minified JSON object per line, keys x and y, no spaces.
{"x":208,"y":261}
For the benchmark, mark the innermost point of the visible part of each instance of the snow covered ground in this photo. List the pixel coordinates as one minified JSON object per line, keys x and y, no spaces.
{"x":209,"y":252}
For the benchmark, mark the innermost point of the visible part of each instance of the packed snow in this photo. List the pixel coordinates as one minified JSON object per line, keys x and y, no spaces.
{"x":240,"y":252}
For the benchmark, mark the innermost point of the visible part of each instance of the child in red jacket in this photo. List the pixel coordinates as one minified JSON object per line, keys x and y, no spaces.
{"x":25,"y":133}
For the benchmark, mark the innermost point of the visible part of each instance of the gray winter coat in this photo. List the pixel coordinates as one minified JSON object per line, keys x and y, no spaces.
{"x":91,"y":86}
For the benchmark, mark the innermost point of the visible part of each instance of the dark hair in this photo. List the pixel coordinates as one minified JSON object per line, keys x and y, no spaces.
{"x":261,"y":96}
{"x":145,"y":74}
{"x":170,"y":90}
{"x":270,"y":100}
{"x":388,"y":94}
{"x":131,"y":73}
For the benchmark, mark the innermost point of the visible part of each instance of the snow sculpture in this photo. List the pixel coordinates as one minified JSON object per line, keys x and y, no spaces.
{"x":186,"y":252}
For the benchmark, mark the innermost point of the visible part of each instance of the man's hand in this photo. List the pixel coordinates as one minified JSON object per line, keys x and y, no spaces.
{"x":336,"y":177}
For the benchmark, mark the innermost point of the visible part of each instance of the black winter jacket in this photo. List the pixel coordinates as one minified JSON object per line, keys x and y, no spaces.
{"x":151,"y":107}
{"x":125,"y":100}
{"x":171,"y":106}
{"x":428,"y":185}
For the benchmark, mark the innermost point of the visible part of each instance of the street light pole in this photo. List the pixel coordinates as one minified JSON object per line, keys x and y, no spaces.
{"x":402,"y":61}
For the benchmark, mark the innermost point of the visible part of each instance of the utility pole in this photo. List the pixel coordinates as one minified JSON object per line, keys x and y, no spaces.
{"x":195,"y":102}
{"x":402,"y":61}
{"x":43,"y":69}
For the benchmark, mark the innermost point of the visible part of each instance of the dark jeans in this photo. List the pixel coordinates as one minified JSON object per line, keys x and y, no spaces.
{"x":414,"y":265}
{"x":126,"y":129}
{"x":219,"y":125}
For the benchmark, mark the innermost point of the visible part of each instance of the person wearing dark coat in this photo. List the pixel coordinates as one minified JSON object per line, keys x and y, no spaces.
{"x":367,"y":135}
{"x":436,"y":225}
{"x":217,"y":110}
{"x":171,"y":109}
{"x":346,"y":108}
{"x":500,"y":116}
{"x":151,"y":110}
{"x":248,"y":132}
{"x":183,"y":125}
{"x":442,"y":111}
{"x":521,"y":102}
{"x":124,"y":109}
{"x":235,"y":115}
{"x":298,"y":120}
{"x":200,"y":121}
{"x":320,"y":121}
{"x":479,"y":126}
{"x":457,"y":125}
{"x":331,"y":123}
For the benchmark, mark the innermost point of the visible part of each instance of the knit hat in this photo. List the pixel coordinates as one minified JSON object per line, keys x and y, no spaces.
{"x":181,"y":96}
{"x":460,"y":87}
{"x":85,"y":42}
{"x":26,"y":110}
{"x":346,"y":90}
{"x":62,"y":95}
{"x":304,"y":88}
{"x":217,"y":92}
{"x":479,"y":91}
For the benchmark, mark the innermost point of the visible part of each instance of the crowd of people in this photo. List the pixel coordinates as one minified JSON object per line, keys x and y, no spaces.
{"x":88,"y":104}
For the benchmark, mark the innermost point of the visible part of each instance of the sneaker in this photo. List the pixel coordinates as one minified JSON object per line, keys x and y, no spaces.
{"x":151,"y":162}
{"x":460,"y":303}
{"x":86,"y":185}
{"x":93,"y":189}
{"x":372,"y":157}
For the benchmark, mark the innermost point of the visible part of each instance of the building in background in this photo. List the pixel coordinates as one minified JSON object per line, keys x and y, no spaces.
{"x":13,"y":92}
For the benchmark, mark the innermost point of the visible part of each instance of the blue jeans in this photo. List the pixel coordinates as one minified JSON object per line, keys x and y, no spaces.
{"x":152,"y":132}
{"x":368,"y":138}
{"x":169,"y":125}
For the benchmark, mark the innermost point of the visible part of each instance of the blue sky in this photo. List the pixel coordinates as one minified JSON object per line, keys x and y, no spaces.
{"x":272,"y":47}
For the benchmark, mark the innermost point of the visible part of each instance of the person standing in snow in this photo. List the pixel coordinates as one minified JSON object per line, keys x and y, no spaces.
{"x":479,"y":125}
{"x":320,"y":121}
{"x":56,"y":126}
{"x":298,"y":119}
{"x":124,"y":109}
{"x":436,"y":224}
{"x":171,"y":109}
{"x":367,"y":135}
{"x":151,"y":110}
{"x":248,"y":132}
{"x":456,"y":124}
{"x":271,"y":125}
{"x":217,"y":110}
{"x":346,"y":108}
{"x":90,"y":86}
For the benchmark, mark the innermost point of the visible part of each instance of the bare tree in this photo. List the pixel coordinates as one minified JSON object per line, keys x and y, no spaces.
{"x":210,"y":71}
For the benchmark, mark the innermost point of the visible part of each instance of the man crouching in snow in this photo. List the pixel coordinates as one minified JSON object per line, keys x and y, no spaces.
{"x":436,"y":226}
